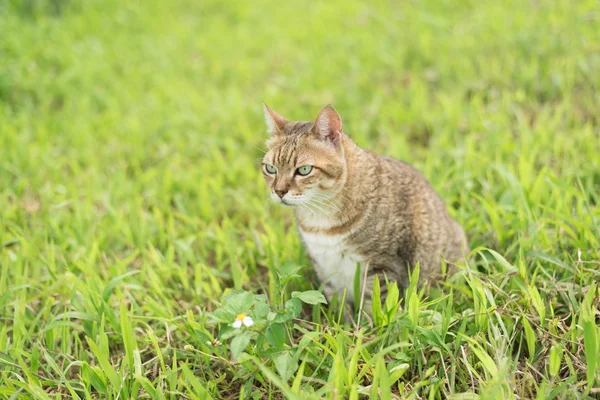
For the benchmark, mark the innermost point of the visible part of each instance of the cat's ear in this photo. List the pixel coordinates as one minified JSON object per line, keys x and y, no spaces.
{"x":328,"y":125}
{"x":275,"y":122}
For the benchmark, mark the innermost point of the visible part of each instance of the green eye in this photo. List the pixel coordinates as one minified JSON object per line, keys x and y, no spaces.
{"x":270,"y":169}
{"x":304,"y":170}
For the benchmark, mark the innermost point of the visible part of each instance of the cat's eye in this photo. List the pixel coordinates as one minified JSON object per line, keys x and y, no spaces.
{"x":270,"y":169}
{"x":304,"y":170}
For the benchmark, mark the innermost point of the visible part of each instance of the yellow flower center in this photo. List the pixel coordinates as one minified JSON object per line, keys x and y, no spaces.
{"x":241,"y":317}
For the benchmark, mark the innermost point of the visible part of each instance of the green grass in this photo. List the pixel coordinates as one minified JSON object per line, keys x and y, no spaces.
{"x":131,"y":199}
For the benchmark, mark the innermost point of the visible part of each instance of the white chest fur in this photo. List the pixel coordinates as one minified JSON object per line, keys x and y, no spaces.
{"x":335,"y":263}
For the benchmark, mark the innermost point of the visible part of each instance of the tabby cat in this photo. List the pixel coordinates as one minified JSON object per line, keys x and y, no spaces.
{"x":353,"y":206}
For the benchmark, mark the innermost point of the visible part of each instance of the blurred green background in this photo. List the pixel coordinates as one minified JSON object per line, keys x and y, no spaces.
{"x":131,"y":135}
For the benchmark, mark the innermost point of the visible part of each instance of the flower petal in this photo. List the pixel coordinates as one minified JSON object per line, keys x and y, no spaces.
{"x":248,"y":321}
{"x":237,"y":324}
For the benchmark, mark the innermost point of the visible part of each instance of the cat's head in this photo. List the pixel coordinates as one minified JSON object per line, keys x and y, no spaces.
{"x":304,"y":165}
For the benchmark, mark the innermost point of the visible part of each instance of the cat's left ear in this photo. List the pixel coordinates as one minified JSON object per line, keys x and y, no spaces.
{"x":275,"y":122}
{"x":328,"y":125}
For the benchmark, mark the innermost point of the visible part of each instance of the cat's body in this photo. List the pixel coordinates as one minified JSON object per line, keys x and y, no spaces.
{"x":357,"y":207}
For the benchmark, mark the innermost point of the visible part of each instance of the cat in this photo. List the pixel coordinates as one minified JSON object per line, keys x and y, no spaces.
{"x":353,"y":206}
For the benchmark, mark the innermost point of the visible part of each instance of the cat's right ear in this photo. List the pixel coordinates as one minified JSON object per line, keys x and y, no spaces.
{"x":275,"y":122}
{"x":328,"y":125}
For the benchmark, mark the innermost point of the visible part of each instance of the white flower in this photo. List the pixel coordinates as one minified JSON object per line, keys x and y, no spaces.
{"x":214,"y":343}
{"x":242,"y":319}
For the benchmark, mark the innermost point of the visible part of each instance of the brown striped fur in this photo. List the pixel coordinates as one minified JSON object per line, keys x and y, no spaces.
{"x":371,"y":208}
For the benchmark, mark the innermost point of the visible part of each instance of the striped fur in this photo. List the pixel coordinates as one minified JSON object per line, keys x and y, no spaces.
{"x":356,"y":206}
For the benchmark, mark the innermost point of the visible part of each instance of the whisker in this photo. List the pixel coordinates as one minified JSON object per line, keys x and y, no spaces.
{"x":327,"y":203}
{"x":306,"y":208}
{"x":327,"y":214}
{"x":267,"y":144}
{"x":320,"y":202}
{"x":310,"y":208}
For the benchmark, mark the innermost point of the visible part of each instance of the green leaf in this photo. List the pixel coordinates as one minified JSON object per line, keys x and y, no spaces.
{"x":548,"y":258}
{"x":590,"y":335}
{"x":391,"y":301}
{"x":288,"y":271}
{"x":128,"y":337}
{"x":542,"y":392}
{"x":275,"y":335}
{"x":338,"y":376}
{"x":239,"y":344}
{"x":529,"y":337}
{"x":95,"y":376}
{"x":114,"y":281}
{"x":293,"y":307}
{"x":269,"y":374}
{"x":199,"y":390}
{"x":374,"y":395}
{"x":137,"y":362}
{"x":434,"y":337}
{"x":590,"y":344}
{"x":238,"y":301}
{"x":413,"y":282}
{"x":488,"y":363}
{"x":508,"y":267}
{"x":384,"y":380}
{"x":281,"y":317}
{"x":555,"y":359}
{"x":413,"y":309}
{"x":538,"y":303}
{"x":397,"y":372}
{"x":60,"y":324}
{"x":286,"y":365}
{"x":261,"y":308}
{"x":310,"y":297}
{"x":148,"y":387}
{"x":298,"y":379}
{"x":352,"y":366}
{"x":103,"y":359}
{"x":222,"y":316}
{"x":356,"y":285}
{"x":7,"y":359}
{"x":376,"y":303}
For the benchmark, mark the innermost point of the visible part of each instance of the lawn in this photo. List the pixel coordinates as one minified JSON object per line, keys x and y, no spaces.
{"x":135,"y":224}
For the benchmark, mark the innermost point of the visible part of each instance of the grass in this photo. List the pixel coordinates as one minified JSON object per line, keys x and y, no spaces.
{"x":134,"y":223}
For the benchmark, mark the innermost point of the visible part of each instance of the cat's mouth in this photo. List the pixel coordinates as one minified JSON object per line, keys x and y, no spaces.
{"x":285,"y":203}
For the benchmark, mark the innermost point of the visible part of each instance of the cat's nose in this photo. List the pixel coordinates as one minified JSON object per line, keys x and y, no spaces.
{"x":281,"y":193}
